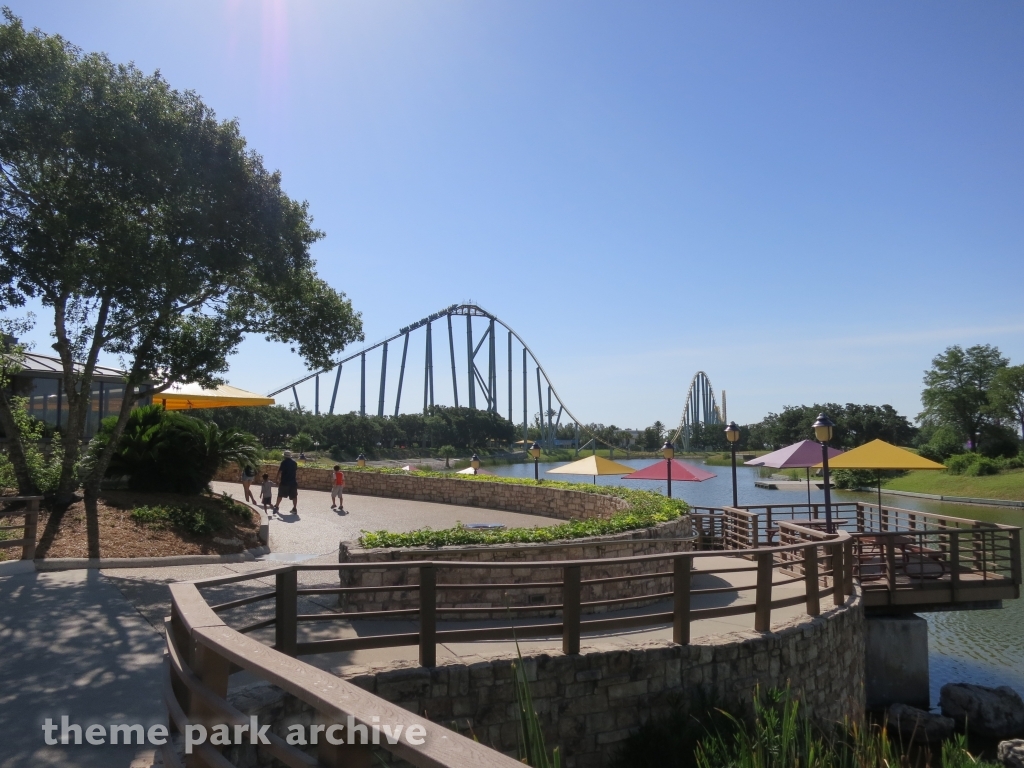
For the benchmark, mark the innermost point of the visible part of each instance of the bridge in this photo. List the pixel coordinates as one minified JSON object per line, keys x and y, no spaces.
{"x":478,"y":371}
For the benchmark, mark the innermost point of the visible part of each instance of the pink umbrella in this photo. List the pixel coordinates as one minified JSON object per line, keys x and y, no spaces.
{"x":804,"y":454}
{"x":680,"y":471}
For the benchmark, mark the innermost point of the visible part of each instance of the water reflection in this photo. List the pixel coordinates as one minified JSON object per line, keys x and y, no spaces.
{"x":983,"y":647}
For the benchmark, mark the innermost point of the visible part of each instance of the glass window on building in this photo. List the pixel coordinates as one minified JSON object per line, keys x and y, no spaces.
{"x":92,"y":417}
{"x":43,"y":399}
{"x":113,"y":394}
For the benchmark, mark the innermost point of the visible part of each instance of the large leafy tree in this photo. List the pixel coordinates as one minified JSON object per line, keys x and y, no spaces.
{"x":1007,"y":394}
{"x":148,"y":230}
{"x":956,"y":391}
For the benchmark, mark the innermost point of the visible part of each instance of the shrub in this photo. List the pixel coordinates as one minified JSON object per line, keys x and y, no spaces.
{"x":983,"y":466}
{"x":192,"y":518}
{"x":645,"y":509}
{"x":944,"y":442}
{"x":167,"y":451}
{"x":958,"y":464}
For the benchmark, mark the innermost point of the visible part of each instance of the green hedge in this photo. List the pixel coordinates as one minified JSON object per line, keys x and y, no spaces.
{"x":645,"y":510}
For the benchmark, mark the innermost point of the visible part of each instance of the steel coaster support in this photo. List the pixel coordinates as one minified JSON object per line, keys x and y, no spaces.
{"x":295,"y":394}
{"x":362,"y":384}
{"x":526,"y":423}
{"x":334,"y":395}
{"x":316,"y":395}
{"x":540,"y":405}
{"x":401,"y":373}
{"x":451,"y":349}
{"x":469,"y":361}
{"x":383,"y":380}
{"x":430,"y":362}
{"x":492,"y":369}
{"x":510,"y":377}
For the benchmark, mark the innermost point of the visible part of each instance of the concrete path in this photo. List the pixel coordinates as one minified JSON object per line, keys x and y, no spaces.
{"x":70,"y":644}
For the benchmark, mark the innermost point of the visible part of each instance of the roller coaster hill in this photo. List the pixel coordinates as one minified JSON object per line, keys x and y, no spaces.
{"x":476,"y":382}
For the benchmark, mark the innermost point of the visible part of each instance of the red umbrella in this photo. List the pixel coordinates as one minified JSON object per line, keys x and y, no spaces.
{"x":680,"y":471}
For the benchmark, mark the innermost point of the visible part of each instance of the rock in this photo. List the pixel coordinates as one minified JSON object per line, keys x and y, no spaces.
{"x":996,"y":713}
{"x":1011,"y":753}
{"x":227,"y":542}
{"x":919,"y":725}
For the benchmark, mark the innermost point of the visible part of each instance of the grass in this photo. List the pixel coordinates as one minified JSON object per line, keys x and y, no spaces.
{"x":1006,"y":485}
{"x":777,"y":736}
{"x":645,"y":509}
{"x":192,"y":518}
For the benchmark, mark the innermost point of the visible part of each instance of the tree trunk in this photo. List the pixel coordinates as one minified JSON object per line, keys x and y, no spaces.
{"x":15,"y":448}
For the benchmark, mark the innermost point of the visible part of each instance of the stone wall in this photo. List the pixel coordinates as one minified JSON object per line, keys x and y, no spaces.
{"x":672,"y":536}
{"x":529,"y":499}
{"x":589,"y":703}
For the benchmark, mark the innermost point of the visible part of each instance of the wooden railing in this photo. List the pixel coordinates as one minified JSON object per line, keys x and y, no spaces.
{"x":27,"y":506}
{"x":926,"y":558}
{"x":203,"y":649}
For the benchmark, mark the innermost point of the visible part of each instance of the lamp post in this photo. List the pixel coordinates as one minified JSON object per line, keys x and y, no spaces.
{"x":474,"y":462}
{"x":732,"y":434}
{"x":668,"y":451}
{"x":823,"y":433}
{"x":361,"y":460}
{"x":535,"y":452}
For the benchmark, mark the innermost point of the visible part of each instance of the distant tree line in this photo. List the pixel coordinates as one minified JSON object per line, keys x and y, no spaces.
{"x":348,"y":434}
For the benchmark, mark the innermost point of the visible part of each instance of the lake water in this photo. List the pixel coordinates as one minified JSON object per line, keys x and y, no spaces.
{"x":983,"y":647}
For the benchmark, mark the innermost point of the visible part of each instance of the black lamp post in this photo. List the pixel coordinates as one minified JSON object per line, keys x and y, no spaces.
{"x":732,"y":434}
{"x":668,"y":451}
{"x":474,"y":462}
{"x":823,"y":433}
{"x":535,"y":452}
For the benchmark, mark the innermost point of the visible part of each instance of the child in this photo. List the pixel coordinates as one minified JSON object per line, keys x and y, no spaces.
{"x":267,"y":492}
{"x":338,"y":488}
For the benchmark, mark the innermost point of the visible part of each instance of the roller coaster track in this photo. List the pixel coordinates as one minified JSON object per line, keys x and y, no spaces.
{"x":700,"y":407}
{"x":697,"y":396}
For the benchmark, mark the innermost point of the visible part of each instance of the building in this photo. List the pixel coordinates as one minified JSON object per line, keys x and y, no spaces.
{"x":41,"y":380}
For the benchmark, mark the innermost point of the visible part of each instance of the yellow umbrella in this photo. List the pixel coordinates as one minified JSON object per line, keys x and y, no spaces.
{"x":592,"y":465}
{"x":183,"y":397}
{"x":880,"y":455}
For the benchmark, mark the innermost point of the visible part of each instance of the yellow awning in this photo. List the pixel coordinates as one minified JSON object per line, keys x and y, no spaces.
{"x":880,"y":455}
{"x":182,"y":397}
{"x":592,"y":465}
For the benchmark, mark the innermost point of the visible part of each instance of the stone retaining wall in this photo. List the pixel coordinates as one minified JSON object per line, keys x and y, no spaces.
{"x":528,"y":499}
{"x":589,"y":703}
{"x":659,"y":539}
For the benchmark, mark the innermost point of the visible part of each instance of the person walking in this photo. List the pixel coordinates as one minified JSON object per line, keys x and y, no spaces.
{"x":288,"y":482}
{"x":267,"y":492}
{"x":338,"y":488}
{"x":248,"y":475}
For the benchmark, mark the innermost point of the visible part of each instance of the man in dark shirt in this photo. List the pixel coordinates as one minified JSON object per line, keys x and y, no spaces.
{"x":287,"y":482}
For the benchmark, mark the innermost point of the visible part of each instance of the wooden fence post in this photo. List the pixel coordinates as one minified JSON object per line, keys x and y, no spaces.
{"x":890,"y":564}
{"x":682,"y":566}
{"x":954,"y":564}
{"x":286,"y":608}
{"x":1015,"y":567}
{"x":428,"y":616}
{"x":340,"y":755}
{"x":811,"y":580}
{"x":763,"y":592}
{"x":213,"y":670}
{"x":848,"y":566}
{"x":571,"y":610}
{"x":838,"y":572}
{"x":28,"y":549}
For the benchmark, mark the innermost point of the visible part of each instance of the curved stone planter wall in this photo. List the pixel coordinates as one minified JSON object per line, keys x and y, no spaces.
{"x":589,"y":703}
{"x":529,"y":499}
{"x":660,"y":539}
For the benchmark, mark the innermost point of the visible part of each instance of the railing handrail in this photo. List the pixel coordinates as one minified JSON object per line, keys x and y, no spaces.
{"x":31,"y":513}
{"x":836,"y":506}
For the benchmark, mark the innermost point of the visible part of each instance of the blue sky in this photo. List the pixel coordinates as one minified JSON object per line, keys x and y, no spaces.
{"x":806,"y":200}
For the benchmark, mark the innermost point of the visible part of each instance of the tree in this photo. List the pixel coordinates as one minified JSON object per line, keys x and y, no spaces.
{"x":148,"y":229}
{"x":957,"y":387}
{"x":447,"y":451}
{"x":1007,"y":394}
